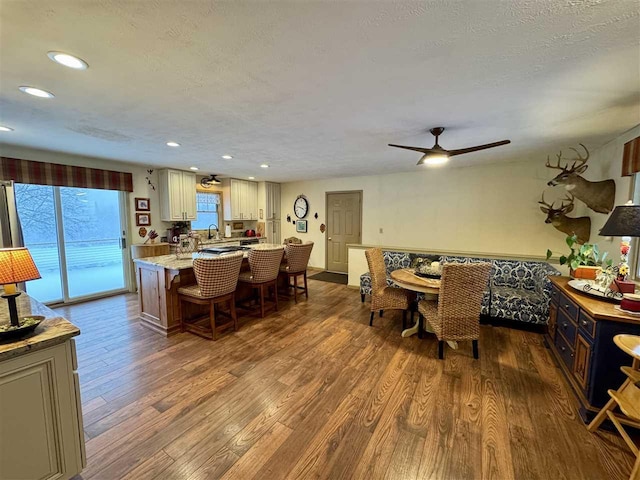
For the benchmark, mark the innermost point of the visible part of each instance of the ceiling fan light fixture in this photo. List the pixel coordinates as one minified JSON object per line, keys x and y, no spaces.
{"x":433,"y":159}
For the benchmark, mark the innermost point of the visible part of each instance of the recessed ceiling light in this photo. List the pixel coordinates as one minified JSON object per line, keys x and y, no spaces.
{"x":194,"y":168}
{"x":5,"y":129}
{"x":173,"y":144}
{"x":252,"y":178}
{"x":264,"y":165}
{"x":227,"y":157}
{"x":68,"y":60}
{"x":36,"y":92}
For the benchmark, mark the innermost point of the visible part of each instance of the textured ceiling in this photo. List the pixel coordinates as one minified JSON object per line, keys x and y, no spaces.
{"x":317,"y":89}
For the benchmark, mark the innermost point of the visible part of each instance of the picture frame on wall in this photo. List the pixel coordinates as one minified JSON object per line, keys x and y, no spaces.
{"x":143,"y":204}
{"x":143,"y":219}
{"x":301,"y":226}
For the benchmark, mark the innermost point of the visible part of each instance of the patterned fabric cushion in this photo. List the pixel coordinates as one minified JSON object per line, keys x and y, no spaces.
{"x":297,"y":257}
{"x":215,"y":276}
{"x":264,"y":264}
{"x":519,"y":304}
{"x":519,"y":290}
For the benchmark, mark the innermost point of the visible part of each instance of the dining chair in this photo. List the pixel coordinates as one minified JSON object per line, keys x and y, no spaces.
{"x":297,"y":259}
{"x":626,"y":398}
{"x":384,"y":297}
{"x":456,"y":314}
{"x":264,"y":264}
{"x":216,"y":279}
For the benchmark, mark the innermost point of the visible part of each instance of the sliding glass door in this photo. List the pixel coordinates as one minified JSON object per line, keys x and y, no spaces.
{"x":75,"y":236}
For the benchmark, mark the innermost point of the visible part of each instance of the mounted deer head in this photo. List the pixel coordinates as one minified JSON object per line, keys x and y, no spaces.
{"x":581,"y":226}
{"x":598,"y":196}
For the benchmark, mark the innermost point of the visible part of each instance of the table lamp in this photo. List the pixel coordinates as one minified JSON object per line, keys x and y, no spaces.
{"x":624,"y":222}
{"x":16,"y":265}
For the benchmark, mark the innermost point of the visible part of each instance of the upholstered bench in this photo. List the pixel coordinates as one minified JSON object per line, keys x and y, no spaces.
{"x":518,"y":290}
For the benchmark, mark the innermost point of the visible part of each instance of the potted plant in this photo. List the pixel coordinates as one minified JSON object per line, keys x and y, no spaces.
{"x":584,"y":260}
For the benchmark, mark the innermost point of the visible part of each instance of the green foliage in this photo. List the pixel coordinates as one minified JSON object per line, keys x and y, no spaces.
{"x":587,"y":254}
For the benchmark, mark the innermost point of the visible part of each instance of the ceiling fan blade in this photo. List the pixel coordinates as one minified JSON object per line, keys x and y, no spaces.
{"x":415,"y":149}
{"x":460,"y":151}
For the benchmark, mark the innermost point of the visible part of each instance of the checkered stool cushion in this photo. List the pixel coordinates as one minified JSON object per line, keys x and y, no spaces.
{"x":297,"y":257}
{"x":264,"y":264}
{"x":215,"y":276}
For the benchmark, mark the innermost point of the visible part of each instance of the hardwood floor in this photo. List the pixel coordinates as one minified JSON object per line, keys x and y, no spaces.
{"x":314,"y":392}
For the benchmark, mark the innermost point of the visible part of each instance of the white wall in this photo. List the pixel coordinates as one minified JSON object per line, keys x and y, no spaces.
{"x":139,"y":174}
{"x":488,"y":209}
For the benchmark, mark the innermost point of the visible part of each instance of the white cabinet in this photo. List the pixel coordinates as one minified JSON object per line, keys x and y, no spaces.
{"x":177,"y":192}
{"x":240,"y":199}
{"x":272,"y":191}
{"x":272,"y":231}
{"x":41,"y":418}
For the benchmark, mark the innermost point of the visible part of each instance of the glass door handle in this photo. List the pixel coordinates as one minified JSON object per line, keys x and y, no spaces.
{"x":123,"y":243}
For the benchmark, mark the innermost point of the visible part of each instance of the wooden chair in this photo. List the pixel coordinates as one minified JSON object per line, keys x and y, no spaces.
{"x":297,"y":256}
{"x":384,"y":297}
{"x":265,"y":265}
{"x":216,"y":279}
{"x":456,"y":315}
{"x":626,"y":398}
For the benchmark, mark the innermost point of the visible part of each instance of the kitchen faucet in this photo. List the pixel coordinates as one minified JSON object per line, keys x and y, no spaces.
{"x":217,"y":231}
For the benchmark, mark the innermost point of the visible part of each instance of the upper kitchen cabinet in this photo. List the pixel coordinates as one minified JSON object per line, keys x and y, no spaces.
{"x":177,"y":192}
{"x":272,"y":192}
{"x":240,"y":199}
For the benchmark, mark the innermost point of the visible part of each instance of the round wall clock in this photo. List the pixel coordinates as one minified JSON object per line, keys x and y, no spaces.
{"x":301,"y":206}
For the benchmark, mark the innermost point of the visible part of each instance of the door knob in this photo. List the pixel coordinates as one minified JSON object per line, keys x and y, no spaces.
{"x":329,"y":238}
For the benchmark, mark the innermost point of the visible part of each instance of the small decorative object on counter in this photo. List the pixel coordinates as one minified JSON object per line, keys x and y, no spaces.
{"x":584,"y":260}
{"x":16,"y":266}
{"x":186,"y":244}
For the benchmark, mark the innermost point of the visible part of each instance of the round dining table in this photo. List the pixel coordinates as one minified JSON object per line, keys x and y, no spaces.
{"x":430,"y":287}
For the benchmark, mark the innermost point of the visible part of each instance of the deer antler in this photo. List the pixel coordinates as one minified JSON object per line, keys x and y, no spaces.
{"x":548,"y":165}
{"x":542,"y":202}
{"x":570,"y":198}
{"x":580,"y":160}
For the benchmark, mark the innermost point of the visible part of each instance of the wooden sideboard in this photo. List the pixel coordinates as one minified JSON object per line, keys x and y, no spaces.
{"x":580,"y":336}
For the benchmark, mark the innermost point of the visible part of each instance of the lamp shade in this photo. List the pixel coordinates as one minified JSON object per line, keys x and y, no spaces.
{"x":16,"y":265}
{"x":623,"y":222}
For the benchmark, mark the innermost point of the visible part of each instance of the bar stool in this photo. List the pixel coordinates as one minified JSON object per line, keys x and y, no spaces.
{"x":216,"y":279}
{"x":265,"y":265}
{"x":626,"y":398}
{"x":297,"y":256}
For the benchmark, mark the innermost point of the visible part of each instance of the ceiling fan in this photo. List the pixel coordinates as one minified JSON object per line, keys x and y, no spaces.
{"x":437,"y":155}
{"x":210,"y":181}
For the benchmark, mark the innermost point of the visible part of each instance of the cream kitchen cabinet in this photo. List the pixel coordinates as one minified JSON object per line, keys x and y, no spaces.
{"x":240,"y":199}
{"x":177,"y":192}
{"x":272,"y":191}
{"x":41,"y":432}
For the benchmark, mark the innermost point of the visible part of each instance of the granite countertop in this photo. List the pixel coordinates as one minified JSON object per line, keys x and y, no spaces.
{"x":53,"y":330}
{"x":171,"y":262}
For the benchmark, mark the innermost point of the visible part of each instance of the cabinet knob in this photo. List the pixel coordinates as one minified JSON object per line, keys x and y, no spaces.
{"x":565,"y":325}
{"x":566,"y":306}
{"x":563,"y":348}
{"x":584,"y":323}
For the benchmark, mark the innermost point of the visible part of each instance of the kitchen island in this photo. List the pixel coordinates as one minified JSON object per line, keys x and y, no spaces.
{"x":41,"y":415}
{"x":158,"y":281}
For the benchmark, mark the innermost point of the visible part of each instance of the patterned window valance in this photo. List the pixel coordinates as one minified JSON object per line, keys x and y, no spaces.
{"x":42,"y":173}
{"x":631,"y":157}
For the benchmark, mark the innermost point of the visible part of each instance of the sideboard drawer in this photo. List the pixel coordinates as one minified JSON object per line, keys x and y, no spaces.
{"x":587,"y":325}
{"x":570,"y":307}
{"x":565,"y":351}
{"x":566,"y":327}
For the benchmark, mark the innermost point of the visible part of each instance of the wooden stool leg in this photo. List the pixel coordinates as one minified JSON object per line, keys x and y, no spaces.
{"x":306,"y":290}
{"x":475,"y":349}
{"x":601,"y":416}
{"x":275,"y":289}
{"x":212,"y":317}
{"x":232,"y":307}
{"x":262,"y":300}
{"x":635,"y":473}
{"x":441,"y":349}
{"x":295,"y":288}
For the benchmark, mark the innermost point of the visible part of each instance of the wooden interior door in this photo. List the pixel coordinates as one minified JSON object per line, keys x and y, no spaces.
{"x":344,"y":226}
